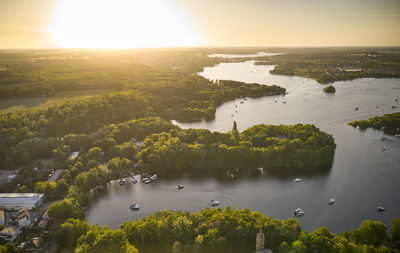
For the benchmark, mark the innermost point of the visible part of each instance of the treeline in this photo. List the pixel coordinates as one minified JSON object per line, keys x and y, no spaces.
{"x":299,"y":146}
{"x":389,"y":123}
{"x":217,"y":230}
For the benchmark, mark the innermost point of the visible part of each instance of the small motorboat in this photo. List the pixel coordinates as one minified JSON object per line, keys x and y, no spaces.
{"x":147,"y":181}
{"x":356,"y":109}
{"x":122,"y":182}
{"x":376,"y":107}
{"x":180,"y":187}
{"x":296,"y":180}
{"x":331,"y":201}
{"x":134,"y":206}
{"x":214,"y":203}
{"x":383,"y":148}
{"x":380,"y":209}
{"x":241,"y":102}
{"x":298,"y":212}
{"x":153,"y":177}
{"x":396,"y":100}
{"x":134,"y":180}
{"x":284,"y":102}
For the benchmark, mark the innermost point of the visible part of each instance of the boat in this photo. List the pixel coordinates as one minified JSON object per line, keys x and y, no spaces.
{"x":383,"y":148}
{"x":214,"y":203}
{"x":380,"y":209}
{"x":284,"y":102}
{"x":122,"y":182}
{"x":331,"y":201}
{"x":180,"y":186}
{"x":147,"y":181}
{"x":298,"y":212}
{"x":245,"y":98}
{"x":134,"y":206}
{"x":241,"y":102}
{"x":394,"y":107}
{"x":134,"y":180}
{"x":153,"y":177}
{"x":356,"y":109}
{"x":296,"y":180}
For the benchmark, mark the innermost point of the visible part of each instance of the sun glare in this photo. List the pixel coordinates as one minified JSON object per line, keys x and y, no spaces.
{"x":120,"y":24}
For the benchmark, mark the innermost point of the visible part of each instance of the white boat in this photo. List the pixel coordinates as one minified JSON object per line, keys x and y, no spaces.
{"x":380,"y":209}
{"x":180,"y":186}
{"x":383,"y":148}
{"x":214,"y":203}
{"x":134,"y":206}
{"x":296,"y":180}
{"x":331,"y":201}
{"x":122,"y":182}
{"x":298,"y":212}
{"x":147,"y":181}
{"x":153,"y":177}
{"x":134,"y":180}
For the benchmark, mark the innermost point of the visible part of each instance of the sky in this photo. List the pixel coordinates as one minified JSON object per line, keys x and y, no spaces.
{"x":141,"y":23}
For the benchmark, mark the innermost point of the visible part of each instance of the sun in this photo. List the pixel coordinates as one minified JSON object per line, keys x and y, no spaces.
{"x":120,"y":24}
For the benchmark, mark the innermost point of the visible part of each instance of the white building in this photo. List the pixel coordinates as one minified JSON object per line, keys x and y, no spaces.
{"x":18,"y":201}
{"x":23,"y":218}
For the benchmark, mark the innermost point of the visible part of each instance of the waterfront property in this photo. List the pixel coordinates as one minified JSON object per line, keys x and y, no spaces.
{"x":18,"y":201}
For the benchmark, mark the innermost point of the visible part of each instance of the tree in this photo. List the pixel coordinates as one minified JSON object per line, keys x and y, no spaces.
{"x":64,"y":209}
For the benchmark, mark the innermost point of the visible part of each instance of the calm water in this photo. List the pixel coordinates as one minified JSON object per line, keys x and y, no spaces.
{"x":231,"y":56}
{"x":362,"y":177}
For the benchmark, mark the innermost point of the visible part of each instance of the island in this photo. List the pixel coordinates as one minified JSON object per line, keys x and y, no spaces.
{"x":330,"y":89}
{"x":389,"y":123}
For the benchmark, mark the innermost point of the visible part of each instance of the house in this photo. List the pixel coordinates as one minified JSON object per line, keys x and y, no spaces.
{"x":73,"y":155}
{"x":18,"y":201}
{"x":10,"y":234}
{"x":33,"y":245}
{"x":45,"y":220}
{"x":23,"y":218}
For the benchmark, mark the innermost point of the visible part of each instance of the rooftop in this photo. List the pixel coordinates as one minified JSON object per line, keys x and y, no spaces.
{"x":21,"y":195}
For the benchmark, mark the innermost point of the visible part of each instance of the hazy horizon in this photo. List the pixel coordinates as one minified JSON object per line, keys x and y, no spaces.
{"x":190,"y":23}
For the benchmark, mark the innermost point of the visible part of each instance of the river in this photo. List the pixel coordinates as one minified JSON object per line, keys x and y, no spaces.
{"x":362,"y":176}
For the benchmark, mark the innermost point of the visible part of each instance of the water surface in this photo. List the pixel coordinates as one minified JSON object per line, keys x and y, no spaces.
{"x":362,"y":176}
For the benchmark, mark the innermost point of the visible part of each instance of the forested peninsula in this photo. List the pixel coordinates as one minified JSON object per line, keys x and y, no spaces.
{"x":389,"y":123}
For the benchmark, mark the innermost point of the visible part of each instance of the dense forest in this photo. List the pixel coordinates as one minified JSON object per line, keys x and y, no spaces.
{"x":190,"y":99}
{"x":389,"y":123}
{"x":217,"y":230}
{"x":298,"y":146}
{"x":337,"y":64}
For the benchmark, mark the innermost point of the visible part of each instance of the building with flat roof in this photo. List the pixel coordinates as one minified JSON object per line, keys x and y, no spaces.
{"x":18,"y":201}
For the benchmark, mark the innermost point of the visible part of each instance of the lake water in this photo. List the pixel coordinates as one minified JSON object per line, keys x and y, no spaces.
{"x":362,"y":176}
